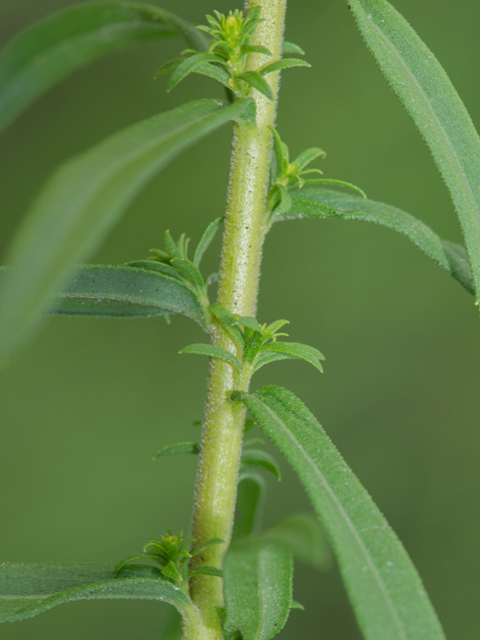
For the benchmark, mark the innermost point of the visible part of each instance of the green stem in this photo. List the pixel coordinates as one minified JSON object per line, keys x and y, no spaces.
{"x":245,"y":228}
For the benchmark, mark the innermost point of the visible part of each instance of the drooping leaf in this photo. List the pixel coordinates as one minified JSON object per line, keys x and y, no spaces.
{"x":84,"y":199}
{"x":315,"y":202}
{"x":175,"y":449}
{"x":291,"y":47}
{"x":206,"y":571}
{"x":385,"y":589}
{"x":255,"y":80}
{"x":206,"y":240}
{"x":29,"y":589}
{"x":258,"y":459}
{"x":436,"y":108}
{"x":212,"y":351}
{"x":304,"y":537}
{"x":248,"y":509}
{"x":297,"y":350}
{"x":47,"y":52}
{"x":189,"y":65}
{"x":308,"y":156}
{"x":287,"y":63}
{"x":257,"y":577}
{"x":123,"y":292}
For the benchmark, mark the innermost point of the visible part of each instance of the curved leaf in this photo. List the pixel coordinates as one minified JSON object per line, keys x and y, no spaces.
{"x":385,"y":589}
{"x":175,"y":449}
{"x":257,"y":578}
{"x":212,"y":351}
{"x":248,"y":507}
{"x":29,"y":589}
{"x":85,"y":198}
{"x":287,"y":63}
{"x":258,"y":459}
{"x":296,"y":350}
{"x":434,"y":105}
{"x":303,"y":535}
{"x":47,"y":52}
{"x":123,"y":292}
{"x":314,"y":202}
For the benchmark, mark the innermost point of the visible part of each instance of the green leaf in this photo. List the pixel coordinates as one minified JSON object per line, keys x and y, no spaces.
{"x":257,"y":578}
{"x":303,"y":535}
{"x":287,"y":63}
{"x":385,"y":589}
{"x":308,"y":156}
{"x":313,"y":202}
{"x":188,"y":66}
{"x":258,"y":459}
{"x":436,"y":108}
{"x":250,"y":323}
{"x":257,"y":48}
{"x":205,"y":545}
{"x":228,"y":321}
{"x":297,"y":605}
{"x":290,"y":47}
{"x":175,"y":449}
{"x":206,"y":240}
{"x":267,"y":357}
{"x":297,"y":350}
{"x":189,"y":271}
{"x":44,"y":54}
{"x":123,"y":292}
{"x":29,"y":589}
{"x":285,"y":203}
{"x":212,"y":351}
{"x":250,"y":500}
{"x":83,"y":201}
{"x":256,"y":81}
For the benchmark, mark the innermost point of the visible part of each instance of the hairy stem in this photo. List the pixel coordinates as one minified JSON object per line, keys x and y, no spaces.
{"x":245,"y":228}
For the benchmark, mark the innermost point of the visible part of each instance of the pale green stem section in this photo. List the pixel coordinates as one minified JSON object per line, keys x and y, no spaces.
{"x":245,"y":228}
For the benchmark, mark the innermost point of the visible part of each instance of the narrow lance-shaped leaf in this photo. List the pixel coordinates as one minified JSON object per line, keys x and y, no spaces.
{"x":303,"y":535}
{"x":257,"y":578}
{"x":318,"y":203}
{"x":206,"y":240}
{"x":123,"y":292}
{"x":386,"y":592}
{"x":436,"y":108}
{"x":176,"y":449}
{"x":287,"y":63}
{"x":248,"y":507}
{"x":258,"y":459}
{"x":212,"y":351}
{"x":29,"y":589}
{"x":85,"y":198}
{"x":47,"y":52}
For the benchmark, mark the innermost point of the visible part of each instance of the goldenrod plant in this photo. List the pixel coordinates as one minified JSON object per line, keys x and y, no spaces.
{"x":229,"y":579}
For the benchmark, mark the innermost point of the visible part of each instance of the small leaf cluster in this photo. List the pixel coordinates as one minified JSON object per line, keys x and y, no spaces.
{"x":287,"y":175}
{"x":171,"y":553}
{"x":173,"y":261}
{"x":226,"y":58}
{"x":258,"y":344}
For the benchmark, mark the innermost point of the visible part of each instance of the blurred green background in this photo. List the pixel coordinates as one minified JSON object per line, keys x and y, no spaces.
{"x":87,"y":404}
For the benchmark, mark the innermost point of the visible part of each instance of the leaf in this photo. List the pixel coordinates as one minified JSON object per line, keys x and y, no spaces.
{"x":287,"y":63}
{"x":175,"y":449}
{"x":436,"y":108}
{"x":285,"y":203}
{"x":212,"y":351}
{"x":313,"y":202}
{"x":206,"y":240}
{"x":189,"y":65}
{"x":44,"y":54}
{"x":124,"y":292}
{"x":29,"y":589}
{"x":297,"y":350}
{"x":250,"y":323}
{"x":228,"y":321}
{"x":258,"y":459}
{"x":83,"y":201}
{"x":308,"y":156}
{"x":385,"y":589}
{"x":257,"y":578}
{"x":267,"y":357}
{"x":257,"y":48}
{"x":290,"y":47}
{"x":304,"y":537}
{"x":189,"y":271}
{"x":250,"y":499}
{"x":255,"y":80}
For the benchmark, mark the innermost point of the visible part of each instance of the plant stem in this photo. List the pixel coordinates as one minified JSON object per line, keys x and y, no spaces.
{"x":245,"y":228}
